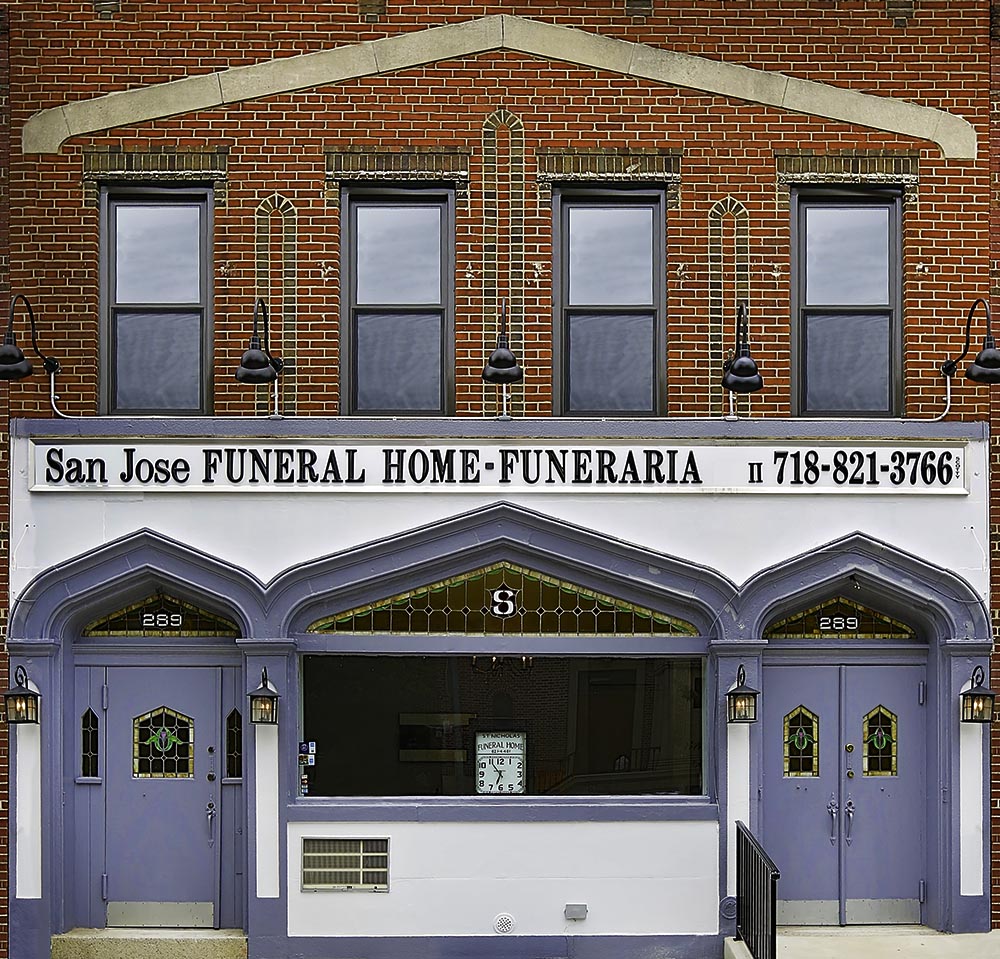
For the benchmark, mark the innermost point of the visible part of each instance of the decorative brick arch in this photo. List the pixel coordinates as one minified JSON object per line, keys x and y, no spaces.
{"x":270,"y":205}
{"x":503,"y":272}
{"x":47,"y":130}
{"x":732,"y":263}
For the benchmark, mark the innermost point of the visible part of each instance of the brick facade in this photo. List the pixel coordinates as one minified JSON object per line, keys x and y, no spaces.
{"x":502,"y":126}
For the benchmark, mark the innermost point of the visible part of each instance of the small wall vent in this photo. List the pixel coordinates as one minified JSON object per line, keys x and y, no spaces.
{"x":504,"y":923}
{"x":345,"y":865}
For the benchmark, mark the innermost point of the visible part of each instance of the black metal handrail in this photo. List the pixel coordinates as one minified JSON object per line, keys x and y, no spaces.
{"x":756,"y":896}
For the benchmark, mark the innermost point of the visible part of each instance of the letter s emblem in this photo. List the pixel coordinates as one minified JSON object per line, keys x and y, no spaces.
{"x":503,"y":602}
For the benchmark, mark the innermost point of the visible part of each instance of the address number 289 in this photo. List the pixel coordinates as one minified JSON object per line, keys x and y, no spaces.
{"x":162,"y":620}
{"x":838,"y":624}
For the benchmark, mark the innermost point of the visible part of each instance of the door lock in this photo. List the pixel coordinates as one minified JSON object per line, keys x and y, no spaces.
{"x":849,"y":748}
{"x":850,"y":773}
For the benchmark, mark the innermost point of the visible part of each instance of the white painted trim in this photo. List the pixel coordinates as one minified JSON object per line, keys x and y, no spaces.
{"x":28,"y":812}
{"x":737,"y":794}
{"x":972,"y":843}
{"x":47,"y":130}
{"x":266,"y":778}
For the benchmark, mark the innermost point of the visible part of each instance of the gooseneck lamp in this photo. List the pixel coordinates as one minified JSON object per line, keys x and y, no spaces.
{"x":258,"y":365}
{"x":742,"y":700}
{"x":740,"y":373}
{"x":14,"y":365}
{"x":264,"y":702}
{"x":20,"y":701}
{"x":985,"y":368}
{"x":977,"y":702}
{"x":501,"y":368}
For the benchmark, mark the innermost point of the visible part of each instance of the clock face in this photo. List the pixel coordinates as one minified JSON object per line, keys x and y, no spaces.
{"x":500,"y":763}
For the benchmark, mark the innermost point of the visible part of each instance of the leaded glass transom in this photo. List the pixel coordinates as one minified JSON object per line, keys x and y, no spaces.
{"x":90,"y":755}
{"x":878,"y":733}
{"x":504,"y":598}
{"x":163,"y":745}
{"x":161,"y":615}
{"x":234,"y":745}
{"x":839,"y":618}
{"x":801,"y":747}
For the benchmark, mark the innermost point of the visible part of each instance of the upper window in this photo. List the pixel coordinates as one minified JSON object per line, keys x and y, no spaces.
{"x":610,"y":305}
{"x":156,"y":282}
{"x":847,"y":303}
{"x":399,"y":264}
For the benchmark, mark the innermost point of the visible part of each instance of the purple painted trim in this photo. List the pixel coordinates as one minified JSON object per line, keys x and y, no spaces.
{"x":63,"y":599}
{"x":500,"y":645}
{"x":526,"y":428}
{"x":489,"y":947}
{"x":952,"y":618}
{"x":922,"y":594}
{"x":501,"y":531}
{"x":538,"y":809}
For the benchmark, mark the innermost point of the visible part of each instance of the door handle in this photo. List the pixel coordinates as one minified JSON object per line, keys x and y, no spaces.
{"x":833,"y":808}
{"x":210,"y":812}
{"x":849,"y":813}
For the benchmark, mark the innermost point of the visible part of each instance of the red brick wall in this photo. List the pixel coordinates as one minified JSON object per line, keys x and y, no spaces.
{"x":4,"y":463}
{"x":938,"y":57}
{"x":995,"y":457}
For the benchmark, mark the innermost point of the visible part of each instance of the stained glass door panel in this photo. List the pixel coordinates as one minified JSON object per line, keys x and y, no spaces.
{"x":799,"y":709}
{"x":164,"y":768}
{"x":884,"y":860}
{"x":845,"y":791}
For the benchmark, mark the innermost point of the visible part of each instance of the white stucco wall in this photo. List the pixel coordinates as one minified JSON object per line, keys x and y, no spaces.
{"x":945,"y":528}
{"x":453,"y":879}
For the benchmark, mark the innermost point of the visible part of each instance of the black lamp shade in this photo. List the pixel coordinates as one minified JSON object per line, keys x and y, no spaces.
{"x":985,"y":368}
{"x":255,"y":366}
{"x":20,"y":702}
{"x":13,"y":363}
{"x":741,"y":375}
{"x":264,"y":703}
{"x":977,"y":702}
{"x":502,"y":366}
{"x":741,"y":700}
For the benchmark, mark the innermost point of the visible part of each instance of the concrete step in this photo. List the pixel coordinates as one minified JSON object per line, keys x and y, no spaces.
{"x":883,"y":942}
{"x":875,"y":942}
{"x":150,"y":944}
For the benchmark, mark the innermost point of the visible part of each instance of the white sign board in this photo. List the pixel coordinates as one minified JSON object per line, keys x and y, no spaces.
{"x":301,"y":466}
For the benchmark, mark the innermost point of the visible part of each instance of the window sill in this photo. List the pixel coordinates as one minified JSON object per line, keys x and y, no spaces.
{"x":504,"y":809}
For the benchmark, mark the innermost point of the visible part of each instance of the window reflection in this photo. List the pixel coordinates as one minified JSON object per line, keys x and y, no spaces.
{"x":610,"y":256}
{"x":610,"y":362}
{"x":157,"y":254}
{"x":847,"y":362}
{"x":157,"y":361}
{"x":399,"y":361}
{"x":399,"y":254}
{"x":847,"y":255}
{"x":406,"y":725}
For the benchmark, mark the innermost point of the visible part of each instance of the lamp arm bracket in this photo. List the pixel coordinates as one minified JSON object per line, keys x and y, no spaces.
{"x":50,"y":363}
{"x":276,"y":362}
{"x":949,"y":367}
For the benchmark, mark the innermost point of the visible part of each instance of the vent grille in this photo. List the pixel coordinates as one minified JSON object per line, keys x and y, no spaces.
{"x":345,"y":864}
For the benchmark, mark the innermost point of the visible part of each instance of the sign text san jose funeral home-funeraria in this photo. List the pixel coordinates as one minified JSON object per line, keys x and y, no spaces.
{"x":103,"y":465}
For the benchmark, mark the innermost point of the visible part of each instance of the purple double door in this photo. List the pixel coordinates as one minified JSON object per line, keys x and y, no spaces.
{"x":844,"y":791}
{"x":163,"y":794}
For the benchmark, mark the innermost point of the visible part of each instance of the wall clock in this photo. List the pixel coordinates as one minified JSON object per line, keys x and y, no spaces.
{"x":500,"y":763}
